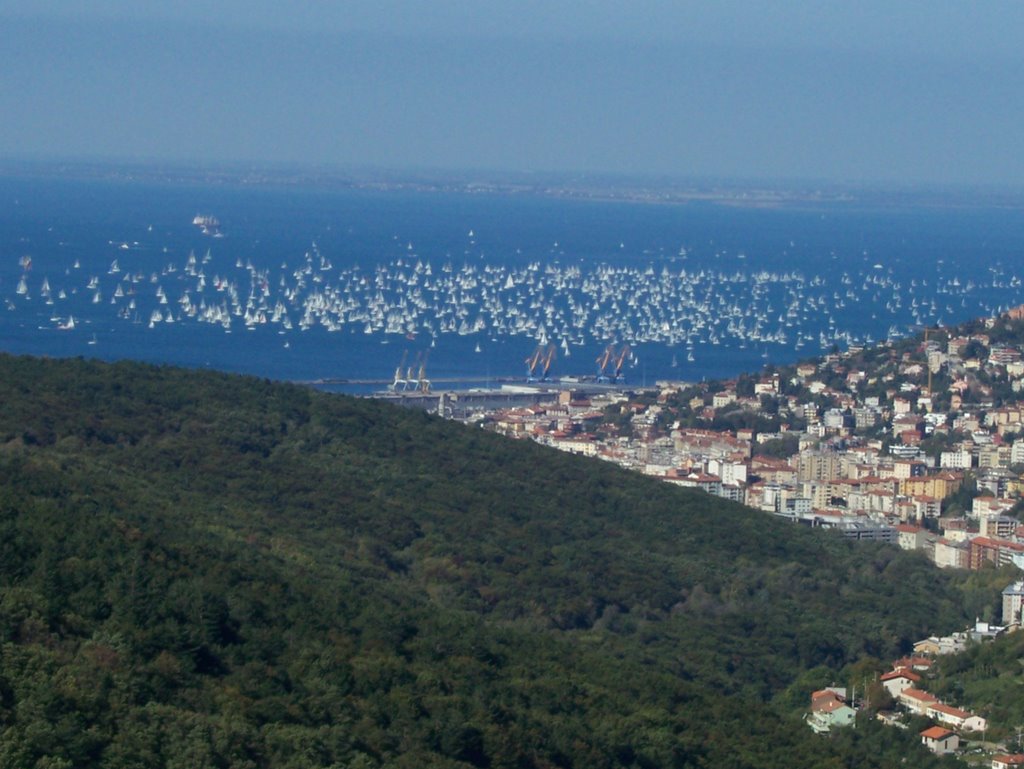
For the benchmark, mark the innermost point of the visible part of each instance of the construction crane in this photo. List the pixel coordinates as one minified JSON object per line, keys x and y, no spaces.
{"x":399,"y":373}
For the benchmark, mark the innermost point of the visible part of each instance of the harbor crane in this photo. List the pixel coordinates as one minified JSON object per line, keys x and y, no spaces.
{"x":541,"y":361}
{"x":410,"y":374}
{"x":400,"y":373}
{"x":549,"y":358}
{"x":422,"y":383}
{"x":603,"y":360}
{"x":413,"y":376}
{"x":532,"y":362}
{"x":610,"y":362}
{"x":623,"y":354}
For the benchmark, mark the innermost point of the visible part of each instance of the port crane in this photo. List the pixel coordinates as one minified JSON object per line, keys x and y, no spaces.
{"x":623,"y":354}
{"x":414,"y":375}
{"x":602,"y":363}
{"x":541,"y":361}
{"x":400,"y":378}
{"x":532,"y":363}
{"x":422,"y":383}
{"x":549,"y":358}
{"x":610,"y":362}
{"x":410,"y":373}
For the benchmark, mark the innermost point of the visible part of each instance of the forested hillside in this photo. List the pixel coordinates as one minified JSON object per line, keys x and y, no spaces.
{"x":199,"y":570}
{"x":988,"y":678}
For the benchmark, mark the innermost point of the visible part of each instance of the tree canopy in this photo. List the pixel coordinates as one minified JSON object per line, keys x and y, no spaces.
{"x":202,"y":570}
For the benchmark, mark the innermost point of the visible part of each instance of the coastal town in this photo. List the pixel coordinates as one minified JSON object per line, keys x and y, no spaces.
{"x":918,"y":443}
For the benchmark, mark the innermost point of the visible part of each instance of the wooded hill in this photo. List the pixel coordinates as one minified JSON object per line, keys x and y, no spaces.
{"x":987,"y":678}
{"x":202,"y":570}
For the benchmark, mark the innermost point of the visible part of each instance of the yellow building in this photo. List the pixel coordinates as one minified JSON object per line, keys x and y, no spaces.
{"x":939,"y":486}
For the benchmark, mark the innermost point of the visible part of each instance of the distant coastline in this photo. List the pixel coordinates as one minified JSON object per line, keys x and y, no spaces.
{"x":752,"y":193}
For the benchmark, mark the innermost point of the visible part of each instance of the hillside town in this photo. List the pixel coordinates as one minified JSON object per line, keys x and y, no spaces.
{"x":904,"y":695}
{"x":918,"y":443}
{"x":915,"y":442}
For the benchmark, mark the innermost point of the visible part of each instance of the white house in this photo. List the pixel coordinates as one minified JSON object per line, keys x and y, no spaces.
{"x":899,"y":680}
{"x":940,"y":741}
{"x":916,"y":700}
{"x":956,"y":718}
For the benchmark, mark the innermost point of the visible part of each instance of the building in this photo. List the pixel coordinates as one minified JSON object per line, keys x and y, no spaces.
{"x":818,"y":466}
{"x":1013,"y":602}
{"x":1008,"y":761}
{"x":731,"y":472}
{"x":850,"y":526}
{"x":898,"y":681}
{"x":939,"y":486}
{"x":860,"y":529}
{"x":950,"y":554}
{"x":926,"y":507}
{"x":939,"y":740}
{"x":998,"y":526}
{"x":955,"y":718}
{"x":829,"y":710}
{"x":936,"y":646}
{"x":982,"y":550}
{"x":916,"y":700}
{"x":916,"y":664}
{"x":956,"y":460}
{"x":982,"y":506}
{"x":911,"y":537}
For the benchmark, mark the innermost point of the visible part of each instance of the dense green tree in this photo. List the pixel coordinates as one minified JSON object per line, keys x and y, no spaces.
{"x":204,"y":570}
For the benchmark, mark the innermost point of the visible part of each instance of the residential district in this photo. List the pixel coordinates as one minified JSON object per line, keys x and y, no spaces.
{"x":915,"y":442}
{"x":919,"y":443}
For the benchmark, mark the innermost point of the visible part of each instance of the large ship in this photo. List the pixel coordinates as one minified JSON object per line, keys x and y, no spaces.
{"x":208,"y":225}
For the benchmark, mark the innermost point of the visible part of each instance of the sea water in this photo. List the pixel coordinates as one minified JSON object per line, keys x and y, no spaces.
{"x":722,"y":288}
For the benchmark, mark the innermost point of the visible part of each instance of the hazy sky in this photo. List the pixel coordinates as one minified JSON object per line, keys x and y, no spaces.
{"x":904,"y":91}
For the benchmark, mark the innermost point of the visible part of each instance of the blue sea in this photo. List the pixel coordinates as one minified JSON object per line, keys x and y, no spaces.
{"x":310,"y":284}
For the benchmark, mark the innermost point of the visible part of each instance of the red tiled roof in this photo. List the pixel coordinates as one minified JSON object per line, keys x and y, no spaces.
{"x":990,"y":542}
{"x":827,"y":706}
{"x":825,"y":694}
{"x":936,"y":733}
{"x":901,"y":673}
{"x":921,"y":696}
{"x":949,"y":710}
{"x":1009,"y":759}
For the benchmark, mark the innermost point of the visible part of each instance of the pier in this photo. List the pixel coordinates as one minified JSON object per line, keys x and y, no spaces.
{"x":455,"y":380}
{"x":462,"y":403}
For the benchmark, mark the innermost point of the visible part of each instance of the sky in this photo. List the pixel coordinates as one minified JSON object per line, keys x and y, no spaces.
{"x":908,"y":92}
